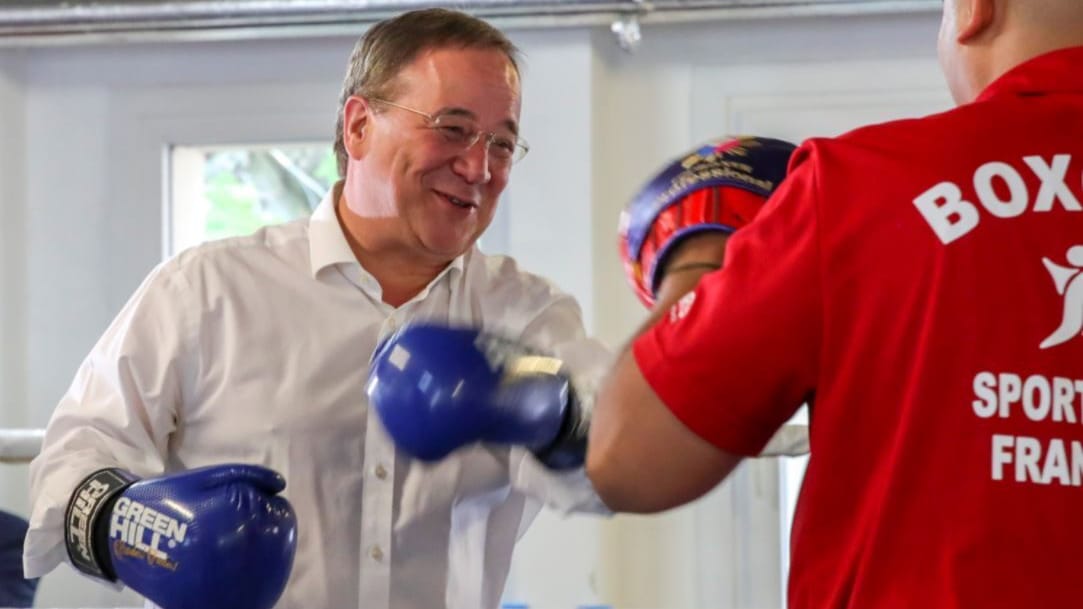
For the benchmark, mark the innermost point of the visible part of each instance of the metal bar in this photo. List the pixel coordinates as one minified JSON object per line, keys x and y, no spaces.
{"x":20,"y":445}
{"x":29,"y":25}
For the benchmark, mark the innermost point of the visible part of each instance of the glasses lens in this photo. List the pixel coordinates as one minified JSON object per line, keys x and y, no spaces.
{"x":521,"y":148}
{"x":456,"y":130}
{"x":462,"y":132}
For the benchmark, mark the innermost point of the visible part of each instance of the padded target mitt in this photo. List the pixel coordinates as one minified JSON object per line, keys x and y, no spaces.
{"x":720,"y":186}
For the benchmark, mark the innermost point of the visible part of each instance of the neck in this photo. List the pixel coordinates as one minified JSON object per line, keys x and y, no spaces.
{"x":401,"y":272}
{"x":1028,"y":29}
{"x":1023,"y":49}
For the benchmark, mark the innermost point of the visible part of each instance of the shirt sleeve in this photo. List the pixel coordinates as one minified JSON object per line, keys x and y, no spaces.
{"x":558,"y":330}
{"x":119,"y":411}
{"x":734,"y":359}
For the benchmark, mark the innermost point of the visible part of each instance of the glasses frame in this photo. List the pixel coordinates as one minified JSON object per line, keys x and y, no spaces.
{"x":521,"y":145}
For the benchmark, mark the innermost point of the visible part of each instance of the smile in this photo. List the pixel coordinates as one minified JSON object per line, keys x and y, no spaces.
{"x":463,"y":203}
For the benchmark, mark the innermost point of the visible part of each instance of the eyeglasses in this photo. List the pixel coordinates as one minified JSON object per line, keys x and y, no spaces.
{"x":460,"y":132}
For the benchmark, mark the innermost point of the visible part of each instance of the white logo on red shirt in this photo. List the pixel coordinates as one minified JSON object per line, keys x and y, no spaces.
{"x":679,"y":310}
{"x":1001,"y":191}
{"x":1069,"y":283}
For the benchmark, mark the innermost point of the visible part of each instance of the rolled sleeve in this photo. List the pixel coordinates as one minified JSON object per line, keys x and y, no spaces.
{"x":558,"y":330}
{"x":119,"y":411}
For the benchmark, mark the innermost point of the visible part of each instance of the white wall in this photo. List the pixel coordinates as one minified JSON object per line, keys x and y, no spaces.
{"x":82,"y":136}
{"x":13,"y":241}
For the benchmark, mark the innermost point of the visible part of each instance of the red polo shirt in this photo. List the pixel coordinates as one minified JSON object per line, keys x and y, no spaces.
{"x":920,"y":284}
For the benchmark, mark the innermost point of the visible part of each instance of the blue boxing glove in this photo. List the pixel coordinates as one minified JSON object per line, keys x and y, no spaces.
{"x":718,"y":187}
{"x":218,"y":536}
{"x":437,"y":388}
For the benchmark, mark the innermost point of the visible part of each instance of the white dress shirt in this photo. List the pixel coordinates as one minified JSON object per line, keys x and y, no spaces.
{"x":256,"y":350}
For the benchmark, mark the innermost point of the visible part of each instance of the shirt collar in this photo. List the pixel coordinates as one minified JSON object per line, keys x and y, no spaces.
{"x":327,"y":245}
{"x":1058,"y":71}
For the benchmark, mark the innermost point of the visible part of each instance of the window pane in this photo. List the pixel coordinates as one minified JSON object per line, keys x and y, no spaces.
{"x":230,"y":191}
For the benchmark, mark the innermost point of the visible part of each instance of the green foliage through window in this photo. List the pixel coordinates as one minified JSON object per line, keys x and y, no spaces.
{"x":247,"y":188}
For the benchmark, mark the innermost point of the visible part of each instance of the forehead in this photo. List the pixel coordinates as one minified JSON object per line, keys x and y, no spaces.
{"x":483,"y":81}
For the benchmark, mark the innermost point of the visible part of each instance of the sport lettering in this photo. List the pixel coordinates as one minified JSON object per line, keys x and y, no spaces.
{"x":144,"y":528}
{"x":1034,"y":398}
{"x":1038,"y":398}
{"x":1031,"y":460}
{"x":79,"y":520}
{"x":1001,"y":191}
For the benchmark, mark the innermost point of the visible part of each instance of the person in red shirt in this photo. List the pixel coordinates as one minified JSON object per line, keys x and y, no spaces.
{"x":919,"y":284}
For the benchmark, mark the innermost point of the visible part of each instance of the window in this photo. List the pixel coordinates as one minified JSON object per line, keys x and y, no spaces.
{"x":226,"y":191}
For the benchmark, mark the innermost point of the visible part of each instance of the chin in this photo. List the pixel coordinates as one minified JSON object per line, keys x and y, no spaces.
{"x":446,"y":239}
{"x":449,"y":249}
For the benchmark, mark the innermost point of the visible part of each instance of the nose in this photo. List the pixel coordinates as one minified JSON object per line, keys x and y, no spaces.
{"x":472,"y":164}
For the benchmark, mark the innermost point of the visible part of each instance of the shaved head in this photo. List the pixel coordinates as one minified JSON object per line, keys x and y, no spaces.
{"x":982,"y":39}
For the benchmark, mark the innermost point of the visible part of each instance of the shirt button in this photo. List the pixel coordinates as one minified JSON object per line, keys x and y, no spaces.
{"x":376,"y":553}
{"x":380,"y":471}
{"x":392,"y":323}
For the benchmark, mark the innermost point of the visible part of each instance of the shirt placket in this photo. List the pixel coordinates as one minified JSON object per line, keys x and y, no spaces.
{"x":377,"y":504}
{"x":376,"y":516}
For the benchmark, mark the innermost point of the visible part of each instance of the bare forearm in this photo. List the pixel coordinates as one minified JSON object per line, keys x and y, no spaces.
{"x":630,"y":421}
{"x":693,"y":258}
{"x":640,"y":457}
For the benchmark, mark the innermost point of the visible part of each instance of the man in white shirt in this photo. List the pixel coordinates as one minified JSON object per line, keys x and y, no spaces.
{"x":255,"y":350}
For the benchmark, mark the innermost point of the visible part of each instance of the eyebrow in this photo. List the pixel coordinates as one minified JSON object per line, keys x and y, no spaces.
{"x":457,"y":111}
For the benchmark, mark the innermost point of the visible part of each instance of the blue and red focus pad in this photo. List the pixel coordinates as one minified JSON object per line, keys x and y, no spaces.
{"x":719,"y":186}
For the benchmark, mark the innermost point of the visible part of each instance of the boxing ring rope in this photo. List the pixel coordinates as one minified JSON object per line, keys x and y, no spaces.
{"x":22,"y":445}
{"x":18,"y":446}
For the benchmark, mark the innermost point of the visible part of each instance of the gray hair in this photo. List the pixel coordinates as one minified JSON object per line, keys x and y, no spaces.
{"x":389,"y":46}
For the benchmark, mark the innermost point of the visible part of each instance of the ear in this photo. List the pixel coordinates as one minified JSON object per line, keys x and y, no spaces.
{"x":355,"y":116}
{"x":974,"y":17}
